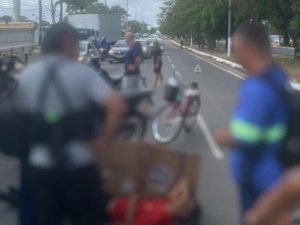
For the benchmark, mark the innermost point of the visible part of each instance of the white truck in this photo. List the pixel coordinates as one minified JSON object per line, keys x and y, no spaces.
{"x":17,"y":38}
{"x":97,"y":26}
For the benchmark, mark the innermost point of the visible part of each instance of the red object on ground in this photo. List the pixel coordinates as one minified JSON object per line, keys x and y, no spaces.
{"x":148,"y":211}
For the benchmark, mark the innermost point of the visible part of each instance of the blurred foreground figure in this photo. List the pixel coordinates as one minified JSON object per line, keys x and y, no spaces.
{"x":274,"y":206}
{"x":57,"y":94}
{"x":259,"y":123}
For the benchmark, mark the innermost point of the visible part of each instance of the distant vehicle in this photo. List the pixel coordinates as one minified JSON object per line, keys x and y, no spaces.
{"x":97,"y":26}
{"x":274,"y":39}
{"x":161,"y":44}
{"x":118,"y":52}
{"x":87,"y":51}
{"x":151,"y":41}
{"x":147,"y":50}
{"x":87,"y":34}
{"x":154,"y":36}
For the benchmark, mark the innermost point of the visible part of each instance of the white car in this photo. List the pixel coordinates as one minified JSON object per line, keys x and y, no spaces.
{"x":87,"y":51}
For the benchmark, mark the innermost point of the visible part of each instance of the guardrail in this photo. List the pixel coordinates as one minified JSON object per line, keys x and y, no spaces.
{"x":18,"y":50}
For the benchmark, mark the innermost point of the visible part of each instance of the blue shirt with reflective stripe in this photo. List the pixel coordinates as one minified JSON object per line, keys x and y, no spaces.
{"x":134,"y":52}
{"x":259,"y":126}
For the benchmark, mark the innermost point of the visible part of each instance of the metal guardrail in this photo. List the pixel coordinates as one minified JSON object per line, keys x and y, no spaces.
{"x":18,"y":50}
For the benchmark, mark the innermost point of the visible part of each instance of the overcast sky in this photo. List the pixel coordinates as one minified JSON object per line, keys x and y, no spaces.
{"x":142,"y":10}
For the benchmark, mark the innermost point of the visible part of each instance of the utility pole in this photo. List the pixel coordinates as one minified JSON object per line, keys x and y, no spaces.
{"x":40,"y":22}
{"x":61,"y":14}
{"x":191,"y":37}
{"x":229,"y":29}
{"x":127,"y":16}
{"x":17,"y":10}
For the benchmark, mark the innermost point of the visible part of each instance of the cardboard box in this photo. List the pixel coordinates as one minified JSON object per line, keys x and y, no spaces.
{"x":147,"y":169}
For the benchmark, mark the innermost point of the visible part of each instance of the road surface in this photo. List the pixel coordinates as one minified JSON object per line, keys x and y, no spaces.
{"x":287,"y":51}
{"x":216,"y":193}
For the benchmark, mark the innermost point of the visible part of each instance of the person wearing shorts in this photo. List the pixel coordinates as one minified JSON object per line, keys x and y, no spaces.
{"x":157,"y":64}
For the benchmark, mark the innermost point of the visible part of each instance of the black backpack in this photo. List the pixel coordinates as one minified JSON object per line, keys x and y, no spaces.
{"x":55,"y":130}
{"x":289,"y":154}
{"x":12,"y":135}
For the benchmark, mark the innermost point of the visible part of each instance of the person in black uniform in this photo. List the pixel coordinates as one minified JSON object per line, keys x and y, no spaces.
{"x":58,"y":93}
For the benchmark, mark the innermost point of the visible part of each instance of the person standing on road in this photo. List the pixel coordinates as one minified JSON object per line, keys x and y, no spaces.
{"x":133,"y":59}
{"x":259,"y":122}
{"x":157,"y":56}
{"x":181,"y":42}
{"x":63,"y":162}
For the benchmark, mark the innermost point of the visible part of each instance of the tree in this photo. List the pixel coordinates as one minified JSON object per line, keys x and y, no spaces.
{"x":53,"y":10}
{"x":6,"y":19}
{"x":118,"y":10}
{"x":97,"y":8}
{"x":76,"y":6}
{"x":24,"y":19}
{"x":282,"y":15}
{"x":135,"y":26}
{"x":205,"y":19}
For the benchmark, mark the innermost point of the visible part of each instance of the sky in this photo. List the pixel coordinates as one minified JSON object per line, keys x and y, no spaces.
{"x":142,"y":10}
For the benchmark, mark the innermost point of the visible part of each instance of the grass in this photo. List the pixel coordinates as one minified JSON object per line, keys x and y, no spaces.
{"x":292,"y":66}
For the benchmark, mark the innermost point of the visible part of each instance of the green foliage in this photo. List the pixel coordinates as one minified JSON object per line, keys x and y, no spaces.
{"x":207,"y":19}
{"x":97,"y":8}
{"x":6,"y":19}
{"x":24,"y":19}
{"x":118,"y":10}
{"x":138,"y":27}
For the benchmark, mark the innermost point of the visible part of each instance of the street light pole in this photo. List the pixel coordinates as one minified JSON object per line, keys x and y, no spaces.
{"x":40,"y":22}
{"x":191,"y":37}
{"x":127,"y":14}
{"x":229,"y":29}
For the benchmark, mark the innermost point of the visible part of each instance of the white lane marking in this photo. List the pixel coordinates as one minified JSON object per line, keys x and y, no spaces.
{"x":216,"y":151}
{"x":198,"y":69}
{"x":213,"y":64}
{"x":177,"y":74}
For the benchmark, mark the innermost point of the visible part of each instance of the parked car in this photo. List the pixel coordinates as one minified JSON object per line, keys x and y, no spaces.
{"x":118,"y":52}
{"x":147,"y":50}
{"x":87,"y":50}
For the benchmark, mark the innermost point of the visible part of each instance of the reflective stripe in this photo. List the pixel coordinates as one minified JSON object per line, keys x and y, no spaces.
{"x":275,"y":133}
{"x":246,"y":131}
{"x":253,"y":134}
{"x":53,"y":117}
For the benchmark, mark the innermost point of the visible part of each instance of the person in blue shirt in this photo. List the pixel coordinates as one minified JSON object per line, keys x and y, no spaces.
{"x":133,"y":60}
{"x":103,"y":44}
{"x":259,"y":122}
{"x":134,"y":56}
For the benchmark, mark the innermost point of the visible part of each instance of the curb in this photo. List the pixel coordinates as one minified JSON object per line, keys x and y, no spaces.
{"x":224,"y":61}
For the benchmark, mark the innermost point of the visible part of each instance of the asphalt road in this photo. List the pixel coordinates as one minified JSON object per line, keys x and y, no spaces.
{"x":287,"y":51}
{"x":216,"y":192}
